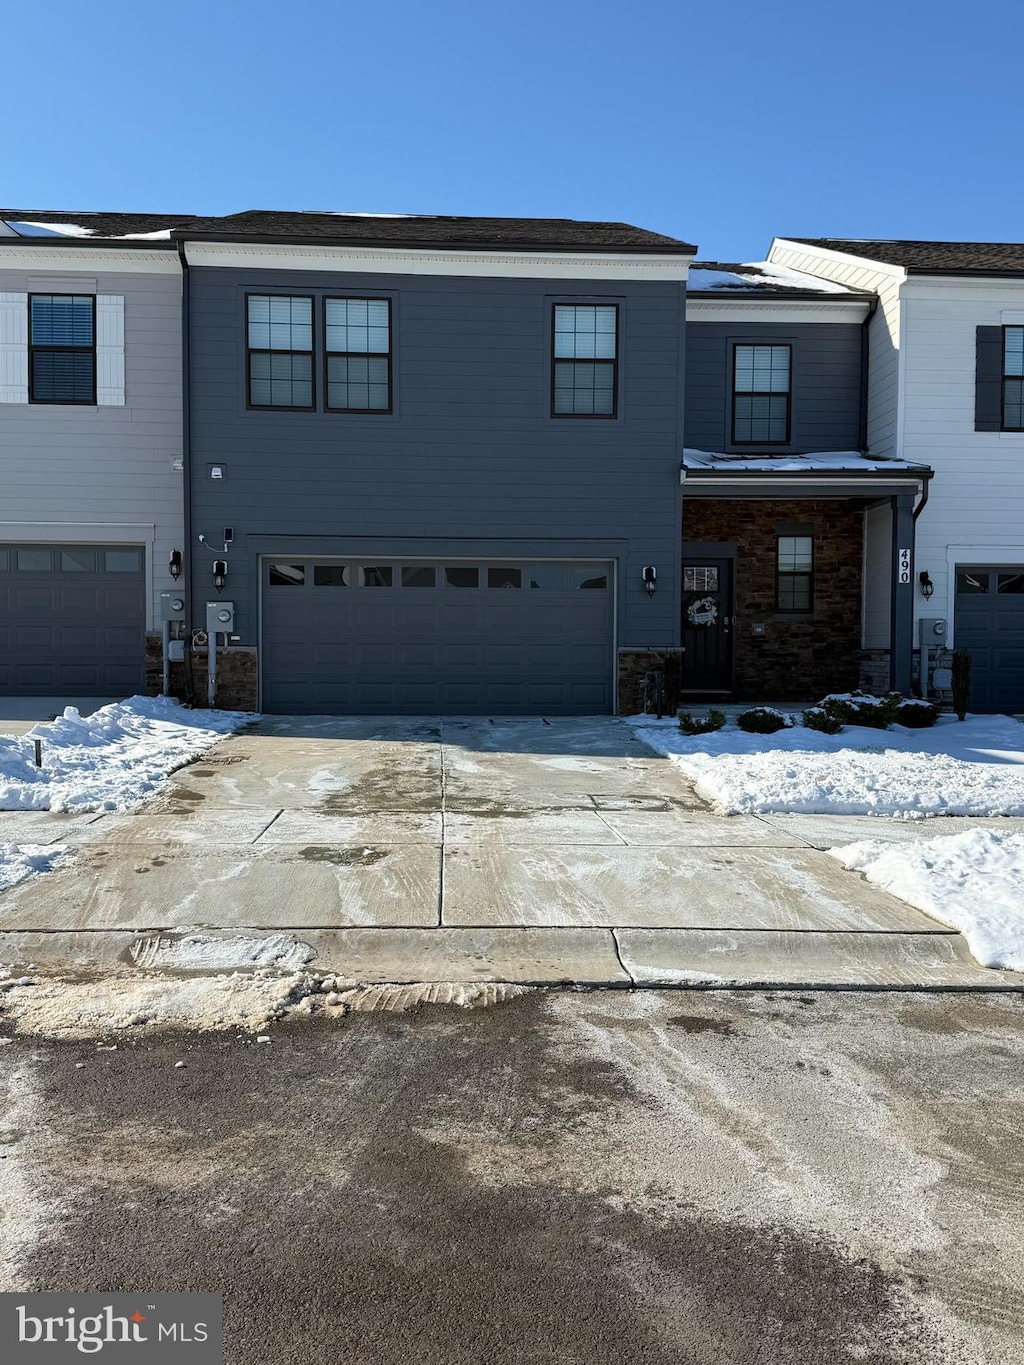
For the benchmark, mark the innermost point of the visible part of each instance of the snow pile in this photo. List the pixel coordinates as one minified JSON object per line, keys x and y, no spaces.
{"x":972,"y":881}
{"x":108,"y":761}
{"x":971,"y":768}
{"x":21,"y":861}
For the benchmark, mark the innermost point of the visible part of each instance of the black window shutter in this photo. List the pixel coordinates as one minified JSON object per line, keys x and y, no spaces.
{"x":988,"y":383}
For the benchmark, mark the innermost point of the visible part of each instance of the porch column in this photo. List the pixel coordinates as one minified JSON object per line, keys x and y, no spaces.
{"x":901,"y":618}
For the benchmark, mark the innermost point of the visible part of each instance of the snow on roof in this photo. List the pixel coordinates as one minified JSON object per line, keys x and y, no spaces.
{"x":762,"y":277}
{"x":793,"y":464}
{"x":161,"y":235}
{"x":27,"y":229}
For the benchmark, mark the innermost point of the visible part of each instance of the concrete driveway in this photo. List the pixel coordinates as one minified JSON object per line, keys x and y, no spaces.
{"x":528,"y":850}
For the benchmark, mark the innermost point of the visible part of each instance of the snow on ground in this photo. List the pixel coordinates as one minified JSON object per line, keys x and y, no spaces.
{"x":974,"y":767}
{"x":972,"y":881}
{"x":109,"y":761}
{"x":20,"y":861}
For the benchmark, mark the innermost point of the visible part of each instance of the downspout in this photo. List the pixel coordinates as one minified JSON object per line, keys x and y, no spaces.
{"x":186,"y":463}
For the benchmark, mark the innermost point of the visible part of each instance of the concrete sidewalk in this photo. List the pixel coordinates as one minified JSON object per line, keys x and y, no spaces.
{"x":534,"y":851}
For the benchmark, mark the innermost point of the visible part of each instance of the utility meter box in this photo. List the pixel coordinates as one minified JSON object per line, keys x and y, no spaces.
{"x":172,"y":606}
{"x":933,"y":630}
{"x":220,"y":618}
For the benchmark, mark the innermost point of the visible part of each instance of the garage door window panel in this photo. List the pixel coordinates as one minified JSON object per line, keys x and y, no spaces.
{"x":1011,"y":583}
{"x":462,"y":576}
{"x":972,"y":581}
{"x":279,"y":354}
{"x":34,"y":561}
{"x":504,"y":577}
{"x":287,"y":575}
{"x":331,"y":576}
{"x":588,"y":578}
{"x":419,"y":576}
{"x":376,"y":576}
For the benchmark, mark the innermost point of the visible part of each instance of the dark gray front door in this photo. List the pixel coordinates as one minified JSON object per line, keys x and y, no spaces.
{"x":707,"y":625}
{"x":72,"y":620}
{"x":388,"y":636}
{"x":989,"y":624}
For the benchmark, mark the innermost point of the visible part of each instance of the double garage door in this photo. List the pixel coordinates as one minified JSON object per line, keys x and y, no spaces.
{"x":990,"y":626}
{"x":72,"y":620}
{"x":443,"y":637}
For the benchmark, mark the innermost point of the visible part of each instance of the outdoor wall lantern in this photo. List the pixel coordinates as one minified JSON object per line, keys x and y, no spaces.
{"x":220,"y":574}
{"x":650,"y":579}
{"x":927,"y":586}
{"x":174,"y":565}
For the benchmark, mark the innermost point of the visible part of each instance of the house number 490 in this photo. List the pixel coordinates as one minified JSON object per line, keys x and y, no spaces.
{"x":904,"y":566}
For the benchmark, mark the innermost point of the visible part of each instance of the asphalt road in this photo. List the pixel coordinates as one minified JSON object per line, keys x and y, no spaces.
{"x":674,"y":1178}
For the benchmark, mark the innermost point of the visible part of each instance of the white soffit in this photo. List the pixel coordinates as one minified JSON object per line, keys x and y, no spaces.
{"x":94,"y":261}
{"x":383,"y":260}
{"x":748,"y":308}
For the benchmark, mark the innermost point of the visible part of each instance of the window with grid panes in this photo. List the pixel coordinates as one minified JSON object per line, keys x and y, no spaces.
{"x":794,"y":573}
{"x":585,"y":361}
{"x":760,"y":398}
{"x":62,"y":348}
{"x":1013,"y":378}
{"x":280,"y":351}
{"x":358,"y":345}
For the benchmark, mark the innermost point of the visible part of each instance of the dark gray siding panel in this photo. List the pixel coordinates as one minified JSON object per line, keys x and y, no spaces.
{"x":826,"y":382}
{"x":471,"y":449}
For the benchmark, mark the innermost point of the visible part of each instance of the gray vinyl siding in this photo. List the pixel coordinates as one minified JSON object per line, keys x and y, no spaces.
{"x":825,"y":380}
{"x":68,"y":469}
{"x":471,"y":454}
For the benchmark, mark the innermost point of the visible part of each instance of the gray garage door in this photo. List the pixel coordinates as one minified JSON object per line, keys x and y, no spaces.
{"x":452,"y":637}
{"x":990,"y":626}
{"x":72,"y":620}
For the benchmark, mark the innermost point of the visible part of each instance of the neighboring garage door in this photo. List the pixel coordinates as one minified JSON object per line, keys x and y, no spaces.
{"x":72,"y":620}
{"x":445,"y":637}
{"x":989,"y":624}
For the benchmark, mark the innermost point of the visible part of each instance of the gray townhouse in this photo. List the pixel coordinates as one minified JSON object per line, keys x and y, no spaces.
{"x":91,"y":502}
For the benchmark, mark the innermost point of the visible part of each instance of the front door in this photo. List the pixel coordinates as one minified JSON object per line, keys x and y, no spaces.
{"x":707,"y":625}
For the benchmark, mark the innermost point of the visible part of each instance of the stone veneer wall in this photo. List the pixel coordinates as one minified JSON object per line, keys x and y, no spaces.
{"x":237,"y":675}
{"x":798,"y":659}
{"x":633,"y":664}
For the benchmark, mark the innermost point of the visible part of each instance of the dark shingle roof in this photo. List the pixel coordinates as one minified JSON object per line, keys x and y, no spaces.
{"x":932,"y":258}
{"x":415,"y":230}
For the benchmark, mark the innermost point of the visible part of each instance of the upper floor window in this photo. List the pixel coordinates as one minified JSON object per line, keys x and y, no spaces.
{"x":1013,"y":378}
{"x":280,"y":351}
{"x":585,"y":379}
{"x":62,"y":348}
{"x":760,"y":395}
{"x":358,"y":349}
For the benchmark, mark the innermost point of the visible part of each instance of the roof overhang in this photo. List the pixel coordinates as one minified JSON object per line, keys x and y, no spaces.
{"x":723,"y":306}
{"x":810,"y":483}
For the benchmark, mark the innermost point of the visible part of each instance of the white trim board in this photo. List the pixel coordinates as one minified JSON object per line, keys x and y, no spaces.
{"x":70,"y":260}
{"x":744,"y":308}
{"x":384,"y":260}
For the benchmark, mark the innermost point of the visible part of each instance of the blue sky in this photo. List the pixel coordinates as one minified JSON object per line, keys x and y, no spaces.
{"x":721,"y":124}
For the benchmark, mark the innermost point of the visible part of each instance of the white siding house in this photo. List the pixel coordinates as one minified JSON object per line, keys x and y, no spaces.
{"x":923,"y":408}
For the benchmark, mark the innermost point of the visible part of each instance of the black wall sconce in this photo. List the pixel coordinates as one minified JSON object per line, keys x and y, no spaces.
{"x":927,"y":586}
{"x":174,"y":565}
{"x":650,"y":579}
{"x":220,"y":574}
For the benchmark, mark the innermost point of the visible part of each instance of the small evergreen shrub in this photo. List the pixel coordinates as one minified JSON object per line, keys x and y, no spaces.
{"x":961,"y":682}
{"x":916,"y":714}
{"x":701,"y":725}
{"x":763,"y":720}
{"x":861,"y":708}
{"x":817,"y":718}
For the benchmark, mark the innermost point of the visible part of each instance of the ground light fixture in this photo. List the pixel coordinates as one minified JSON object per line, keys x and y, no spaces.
{"x":174,"y":565}
{"x":650,"y":579}
{"x":220,"y":574}
{"x":927,"y":586}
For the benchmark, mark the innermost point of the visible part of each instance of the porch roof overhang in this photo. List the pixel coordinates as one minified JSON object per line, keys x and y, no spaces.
{"x":830,"y":474}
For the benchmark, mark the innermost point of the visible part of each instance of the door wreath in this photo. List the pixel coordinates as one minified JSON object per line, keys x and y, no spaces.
{"x":702,"y":611}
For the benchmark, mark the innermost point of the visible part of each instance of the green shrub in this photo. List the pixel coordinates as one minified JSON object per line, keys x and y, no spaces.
{"x":763,"y":720}
{"x":861,"y":708}
{"x":961,"y":682}
{"x":817,"y":718}
{"x":701,"y":725}
{"x":916,"y":714}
